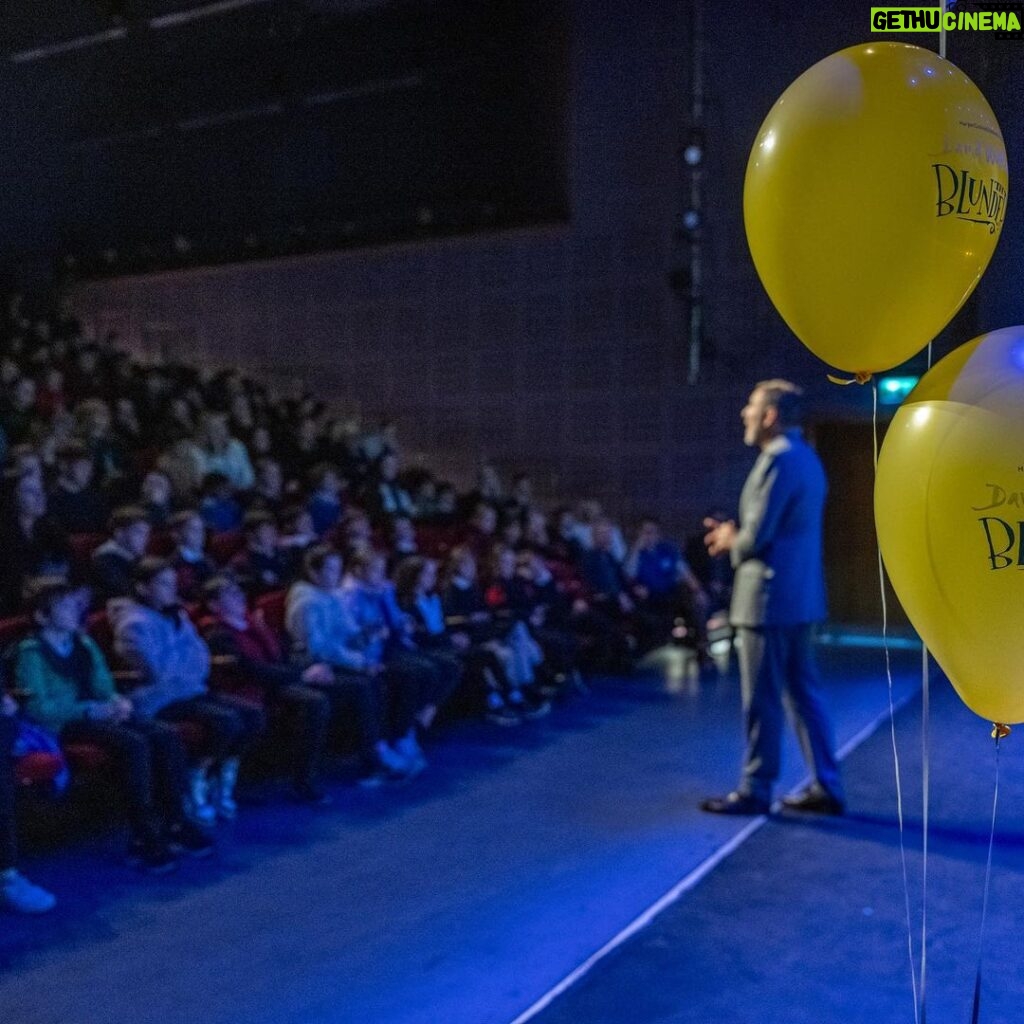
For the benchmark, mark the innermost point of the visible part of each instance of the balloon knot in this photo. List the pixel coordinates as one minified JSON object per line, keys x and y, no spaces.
{"x":1000,"y":731}
{"x":857,"y":378}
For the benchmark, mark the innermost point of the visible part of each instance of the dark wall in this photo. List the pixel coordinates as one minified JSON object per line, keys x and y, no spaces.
{"x":563,"y":350}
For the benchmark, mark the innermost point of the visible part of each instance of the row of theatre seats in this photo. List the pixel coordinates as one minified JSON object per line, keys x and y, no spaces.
{"x":39,"y":770}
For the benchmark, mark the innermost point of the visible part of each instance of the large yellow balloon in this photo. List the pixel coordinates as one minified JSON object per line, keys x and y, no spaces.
{"x":949,"y":508}
{"x":874,"y":198}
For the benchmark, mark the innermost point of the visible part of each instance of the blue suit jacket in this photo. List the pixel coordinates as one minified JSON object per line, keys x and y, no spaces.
{"x":780,"y":578}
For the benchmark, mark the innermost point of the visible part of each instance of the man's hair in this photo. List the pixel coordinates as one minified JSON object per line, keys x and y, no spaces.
{"x":785,"y":397}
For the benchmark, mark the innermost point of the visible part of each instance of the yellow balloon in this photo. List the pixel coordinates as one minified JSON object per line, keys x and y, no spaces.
{"x":949,"y":509}
{"x":874,"y":197}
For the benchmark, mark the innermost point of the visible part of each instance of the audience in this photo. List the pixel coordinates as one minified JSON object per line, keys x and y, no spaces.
{"x":382,"y":649}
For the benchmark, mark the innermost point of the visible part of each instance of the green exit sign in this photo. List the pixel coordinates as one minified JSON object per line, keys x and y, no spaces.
{"x":892,"y":390}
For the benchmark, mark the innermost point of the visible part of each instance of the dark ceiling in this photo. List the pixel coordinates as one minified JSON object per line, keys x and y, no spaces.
{"x":182,"y":131}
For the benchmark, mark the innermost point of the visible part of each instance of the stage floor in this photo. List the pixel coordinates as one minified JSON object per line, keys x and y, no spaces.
{"x":466,"y":896}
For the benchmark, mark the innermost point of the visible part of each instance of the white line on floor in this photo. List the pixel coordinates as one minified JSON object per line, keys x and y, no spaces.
{"x":691,"y":880}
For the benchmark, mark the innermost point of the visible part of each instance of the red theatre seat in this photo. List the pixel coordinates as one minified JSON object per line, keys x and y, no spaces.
{"x":222,"y":547}
{"x":14,"y":629}
{"x":82,"y":545}
{"x":272,"y":606}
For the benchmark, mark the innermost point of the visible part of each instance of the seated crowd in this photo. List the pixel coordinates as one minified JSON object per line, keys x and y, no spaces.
{"x":197,"y":570}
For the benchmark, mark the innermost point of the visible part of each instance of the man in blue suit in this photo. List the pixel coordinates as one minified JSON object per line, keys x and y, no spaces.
{"x":778,"y":597}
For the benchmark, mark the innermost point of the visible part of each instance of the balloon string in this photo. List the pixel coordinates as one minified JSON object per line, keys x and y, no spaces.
{"x":942,"y":30}
{"x":998,"y":732}
{"x":925,"y":793}
{"x":925,"y":798}
{"x":892,"y":730}
{"x":857,"y":378}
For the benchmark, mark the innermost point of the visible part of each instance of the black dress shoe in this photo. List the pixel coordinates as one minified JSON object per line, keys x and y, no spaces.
{"x":735,"y":803}
{"x":814,"y":801}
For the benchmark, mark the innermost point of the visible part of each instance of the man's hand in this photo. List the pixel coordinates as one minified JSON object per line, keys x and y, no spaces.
{"x":8,"y":705}
{"x":720,"y":537}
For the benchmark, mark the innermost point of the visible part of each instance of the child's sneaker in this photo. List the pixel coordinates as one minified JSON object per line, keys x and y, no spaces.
{"x":498,"y":712}
{"x":528,"y":707}
{"x":18,"y":893}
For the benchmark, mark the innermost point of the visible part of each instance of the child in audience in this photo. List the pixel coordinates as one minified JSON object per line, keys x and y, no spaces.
{"x":69,"y":691}
{"x":16,"y":891}
{"x":466,"y":612}
{"x":79,"y":506}
{"x":261,"y":566}
{"x":223,"y":454}
{"x":474,"y":629}
{"x":33,"y":543}
{"x":155,"y":499}
{"x":115,"y":559}
{"x":191,"y":563}
{"x":220,"y":510}
{"x":155,"y":636}
{"x":325,"y":505}
{"x":419,"y":684}
{"x":322,"y":629}
{"x":289,"y":690}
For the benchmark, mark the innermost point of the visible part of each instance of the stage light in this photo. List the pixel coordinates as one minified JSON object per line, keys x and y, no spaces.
{"x":693,"y":155}
{"x":691,"y":220}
